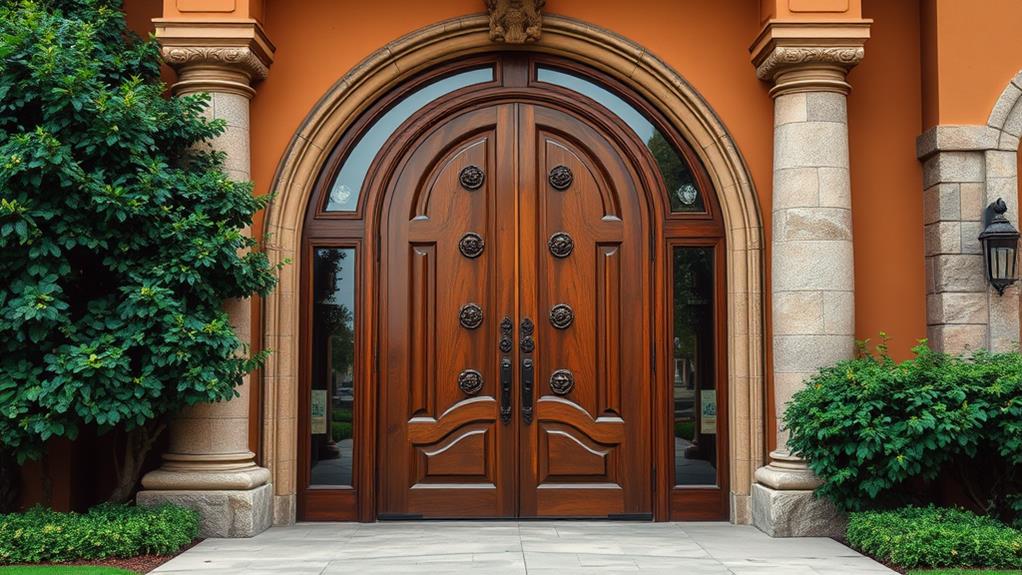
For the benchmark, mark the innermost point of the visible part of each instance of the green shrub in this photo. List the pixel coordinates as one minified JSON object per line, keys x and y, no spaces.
{"x":876,"y":430}
{"x":685,"y":429}
{"x":341,"y":430}
{"x":935,"y":537}
{"x":105,"y":531}
{"x":342,"y":414}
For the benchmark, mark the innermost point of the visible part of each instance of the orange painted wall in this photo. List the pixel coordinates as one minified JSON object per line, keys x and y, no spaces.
{"x":884,"y":111}
{"x":973,"y":52}
{"x":810,"y":9}
{"x":214,"y":9}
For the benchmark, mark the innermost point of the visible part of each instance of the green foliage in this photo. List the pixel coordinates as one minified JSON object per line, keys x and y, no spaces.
{"x":685,"y":429}
{"x":341,"y":431}
{"x":119,"y":239}
{"x":65,"y":570}
{"x":41,"y":535}
{"x":961,"y":572}
{"x":342,"y":414}
{"x":935,"y":537}
{"x":876,"y":431}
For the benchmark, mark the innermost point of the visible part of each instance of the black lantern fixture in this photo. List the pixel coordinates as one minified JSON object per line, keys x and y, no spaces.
{"x":1000,"y":245}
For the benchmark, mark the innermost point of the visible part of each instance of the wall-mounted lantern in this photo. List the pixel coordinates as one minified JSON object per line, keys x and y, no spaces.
{"x":1000,"y":245}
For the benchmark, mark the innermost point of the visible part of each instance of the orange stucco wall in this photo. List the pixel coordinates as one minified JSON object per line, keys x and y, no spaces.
{"x":810,"y":9}
{"x":972,"y":51}
{"x":884,"y":112}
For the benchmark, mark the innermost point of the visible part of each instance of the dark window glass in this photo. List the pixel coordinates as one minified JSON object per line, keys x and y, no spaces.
{"x":678,"y":178}
{"x":694,"y":373}
{"x":331,"y":406}
{"x":347,"y":186}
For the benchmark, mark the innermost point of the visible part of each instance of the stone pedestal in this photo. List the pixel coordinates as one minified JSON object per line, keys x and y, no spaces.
{"x":812,"y":280}
{"x":784,"y":503}
{"x":208,"y":465}
{"x":224,"y":513}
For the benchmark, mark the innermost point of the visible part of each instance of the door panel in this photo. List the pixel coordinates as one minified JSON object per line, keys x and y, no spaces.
{"x":442,"y":433}
{"x":587,"y":452}
{"x":553,"y":285}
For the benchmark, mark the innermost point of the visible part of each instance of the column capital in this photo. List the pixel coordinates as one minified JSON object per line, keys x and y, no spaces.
{"x":809,"y":56}
{"x":215,"y":56}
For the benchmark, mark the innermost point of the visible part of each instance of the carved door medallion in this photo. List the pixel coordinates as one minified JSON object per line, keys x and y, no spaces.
{"x":471,"y":178}
{"x":471,"y":245}
{"x":561,"y":245}
{"x":478,"y":418}
{"x":561,"y":316}
{"x":470,"y":381}
{"x":561,"y":178}
{"x":470,"y":316}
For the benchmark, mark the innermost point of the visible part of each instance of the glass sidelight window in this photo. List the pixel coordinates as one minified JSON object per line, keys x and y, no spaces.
{"x":694,"y":367}
{"x":332,"y":400}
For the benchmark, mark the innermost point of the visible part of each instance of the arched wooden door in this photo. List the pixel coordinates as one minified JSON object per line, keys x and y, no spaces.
{"x":515,"y":347}
{"x":513,"y":305}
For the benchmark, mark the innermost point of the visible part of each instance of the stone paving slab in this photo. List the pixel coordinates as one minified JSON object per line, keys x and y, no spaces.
{"x":520,"y":548}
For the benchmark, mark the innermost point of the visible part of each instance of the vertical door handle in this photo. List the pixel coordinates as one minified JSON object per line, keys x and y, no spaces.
{"x":527,"y":382}
{"x":505,"y":390}
{"x":527,"y":345}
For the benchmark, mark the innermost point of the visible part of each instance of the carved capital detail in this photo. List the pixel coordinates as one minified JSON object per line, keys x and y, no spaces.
{"x":807,"y":56}
{"x":783,"y":57}
{"x":223,"y":56}
{"x":515,"y":21}
{"x":239,"y":58}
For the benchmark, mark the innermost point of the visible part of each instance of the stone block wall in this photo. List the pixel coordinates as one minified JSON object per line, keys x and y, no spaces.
{"x":965,"y":168}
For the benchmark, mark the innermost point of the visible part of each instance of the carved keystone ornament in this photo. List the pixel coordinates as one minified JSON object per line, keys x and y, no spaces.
{"x":515,"y":21}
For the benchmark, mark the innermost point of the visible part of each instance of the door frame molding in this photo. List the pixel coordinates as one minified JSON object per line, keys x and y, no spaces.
{"x":664,"y":89}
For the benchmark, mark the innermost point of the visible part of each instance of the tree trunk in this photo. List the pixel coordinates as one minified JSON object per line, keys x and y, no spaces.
{"x":138,"y":442}
{"x":10,"y":483}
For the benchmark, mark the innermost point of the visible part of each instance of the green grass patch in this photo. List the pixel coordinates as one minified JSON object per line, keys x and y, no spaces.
{"x":962,"y":572}
{"x":64,"y":570}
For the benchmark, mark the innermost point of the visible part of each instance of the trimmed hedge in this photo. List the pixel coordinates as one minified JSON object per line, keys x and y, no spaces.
{"x":41,"y":535}
{"x":935,"y":537}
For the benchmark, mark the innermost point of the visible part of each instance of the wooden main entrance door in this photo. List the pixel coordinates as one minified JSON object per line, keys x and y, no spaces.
{"x":515,"y":353}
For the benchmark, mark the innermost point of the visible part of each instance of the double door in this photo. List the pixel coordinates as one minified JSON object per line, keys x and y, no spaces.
{"x":515,"y":353}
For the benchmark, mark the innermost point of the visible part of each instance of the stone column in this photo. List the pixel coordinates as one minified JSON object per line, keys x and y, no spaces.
{"x":813,"y":283}
{"x":208,"y":465}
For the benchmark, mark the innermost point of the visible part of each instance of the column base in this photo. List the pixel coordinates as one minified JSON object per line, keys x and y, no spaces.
{"x":795,"y":513}
{"x":784,"y":505}
{"x":225,"y":513}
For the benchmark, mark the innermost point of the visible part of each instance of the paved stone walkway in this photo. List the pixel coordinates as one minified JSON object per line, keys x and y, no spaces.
{"x":533,"y":548}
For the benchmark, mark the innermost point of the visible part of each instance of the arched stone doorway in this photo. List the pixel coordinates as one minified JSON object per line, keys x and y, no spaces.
{"x":681,"y":107}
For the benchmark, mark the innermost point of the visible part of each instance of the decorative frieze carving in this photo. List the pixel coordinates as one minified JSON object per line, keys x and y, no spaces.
{"x":515,"y":21}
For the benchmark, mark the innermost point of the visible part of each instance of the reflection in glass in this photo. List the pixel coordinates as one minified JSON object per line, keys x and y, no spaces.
{"x":346,"y":188}
{"x":695,"y":389}
{"x":332,"y":400}
{"x":680,"y":182}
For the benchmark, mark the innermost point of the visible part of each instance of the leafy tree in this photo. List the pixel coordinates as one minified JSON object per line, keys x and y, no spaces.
{"x":120,"y":237}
